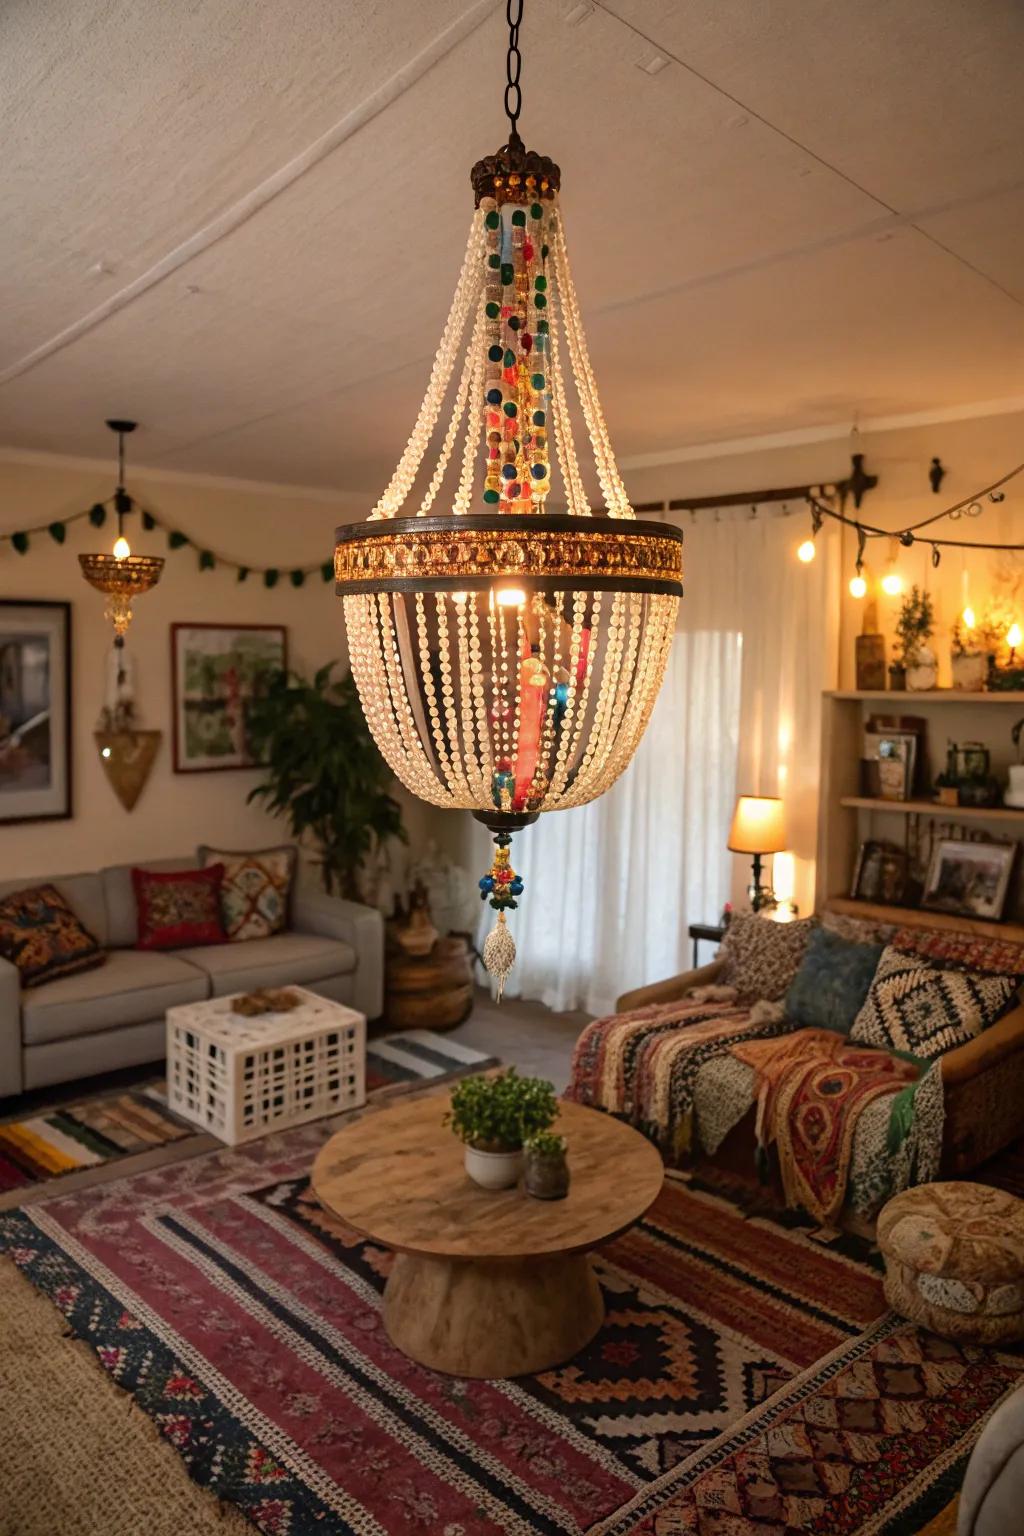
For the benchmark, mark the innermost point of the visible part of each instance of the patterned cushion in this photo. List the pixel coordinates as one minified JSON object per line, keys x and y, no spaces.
{"x":914,"y":1005}
{"x":961,"y":951}
{"x":178,"y":907}
{"x":256,"y":889}
{"x":40,"y":934}
{"x":761,"y":957}
{"x":829,"y":989}
{"x":859,"y":930}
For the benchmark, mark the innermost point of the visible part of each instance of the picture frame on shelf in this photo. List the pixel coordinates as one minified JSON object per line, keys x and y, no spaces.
{"x":971,"y":879}
{"x":35,"y":711}
{"x":215,"y":670}
{"x":879,"y":874}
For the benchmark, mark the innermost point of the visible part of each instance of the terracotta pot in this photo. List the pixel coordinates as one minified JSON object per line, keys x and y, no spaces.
{"x":494,"y":1170}
{"x":546,"y":1177}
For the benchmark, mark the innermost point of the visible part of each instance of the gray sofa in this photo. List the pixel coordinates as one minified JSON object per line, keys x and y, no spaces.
{"x":114,"y":1016}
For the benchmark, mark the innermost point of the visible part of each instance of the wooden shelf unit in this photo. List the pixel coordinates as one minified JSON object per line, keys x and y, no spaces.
{"x":846,"y":818}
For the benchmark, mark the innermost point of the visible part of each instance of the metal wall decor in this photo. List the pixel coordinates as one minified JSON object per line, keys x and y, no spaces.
{"x":507,"y":657}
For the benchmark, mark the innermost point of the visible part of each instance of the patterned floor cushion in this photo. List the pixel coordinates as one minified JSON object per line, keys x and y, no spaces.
{"x":954,"y":1260}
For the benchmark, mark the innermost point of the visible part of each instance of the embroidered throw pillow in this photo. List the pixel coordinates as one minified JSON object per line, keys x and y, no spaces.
{"x":40,"y":934}
{"x":832,"y":983}
{"x":178,"y":907}
{"x":762,"y":957}
{"x":256,"y":889}
{"x":960,"y":951}
{"x":916,"y":1006}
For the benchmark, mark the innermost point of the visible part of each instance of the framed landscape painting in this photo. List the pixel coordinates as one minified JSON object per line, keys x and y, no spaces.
{"x":35,"y":710}
{"x":216,"y":669}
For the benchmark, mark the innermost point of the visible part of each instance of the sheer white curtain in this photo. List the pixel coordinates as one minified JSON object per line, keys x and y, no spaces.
{"x":612,"y":887}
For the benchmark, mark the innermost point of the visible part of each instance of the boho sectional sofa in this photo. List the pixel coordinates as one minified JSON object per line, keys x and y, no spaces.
{"x":112,"y":1017}
{"x":669,"y":1064}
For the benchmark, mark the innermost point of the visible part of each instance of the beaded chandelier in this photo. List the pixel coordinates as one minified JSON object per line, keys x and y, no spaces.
{"x":507,"y":656}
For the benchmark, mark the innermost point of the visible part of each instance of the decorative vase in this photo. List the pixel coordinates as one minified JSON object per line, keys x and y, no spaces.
{"x":494,"y":1170}
{"x":969,"y":671}
{"x":897,"y":677}
{"x":546,"y":1176}
{"x":922,"y":669}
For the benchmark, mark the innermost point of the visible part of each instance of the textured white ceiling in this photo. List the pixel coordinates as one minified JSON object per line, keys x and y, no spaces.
{"x":240,"y":222}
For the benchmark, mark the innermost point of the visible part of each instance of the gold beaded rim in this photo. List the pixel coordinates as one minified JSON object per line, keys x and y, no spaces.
{"x":133,"y":574}
{"x":548,"y":553}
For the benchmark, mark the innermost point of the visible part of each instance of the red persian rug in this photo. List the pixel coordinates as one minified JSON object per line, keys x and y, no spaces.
{"x":745,"y":1379}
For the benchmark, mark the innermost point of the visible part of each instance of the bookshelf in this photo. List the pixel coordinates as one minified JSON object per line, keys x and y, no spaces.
{"x":846,"y":818}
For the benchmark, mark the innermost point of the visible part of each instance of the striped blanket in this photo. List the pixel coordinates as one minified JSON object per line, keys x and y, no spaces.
{"x":643,"y":1065}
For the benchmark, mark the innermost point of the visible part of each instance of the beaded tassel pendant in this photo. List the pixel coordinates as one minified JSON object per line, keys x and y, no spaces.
{"x":500,"y":886}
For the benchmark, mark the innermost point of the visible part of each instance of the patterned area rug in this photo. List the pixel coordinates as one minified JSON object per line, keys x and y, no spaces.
{"x":247,"y":1325}
{"x":105,"y":1127}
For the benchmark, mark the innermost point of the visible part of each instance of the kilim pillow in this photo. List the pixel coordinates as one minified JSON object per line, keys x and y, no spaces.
{"x":178,"y":907}
{"x":960,"y":951}
{"x":832,"y":983}
{"x":255,"y":891}
{"x":916,"y":1006}
{"x":40,"y":934}
{"x":761,"y":957}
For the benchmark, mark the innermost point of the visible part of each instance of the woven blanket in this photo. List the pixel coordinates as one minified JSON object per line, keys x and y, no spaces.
{"x":643,"y":1065}
{"x":812,"y":1087}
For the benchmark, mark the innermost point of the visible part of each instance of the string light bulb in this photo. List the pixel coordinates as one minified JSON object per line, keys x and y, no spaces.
{"x":968,"y":617}
{"x":858,"y":586}
{"x":1013,"y":636}
{"x":806,"y":551}
{"x":892,"y":583}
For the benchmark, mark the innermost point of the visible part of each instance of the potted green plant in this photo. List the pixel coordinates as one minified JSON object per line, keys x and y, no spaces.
{"x":546,"y":1172}
{"x":493,"y":1116}
{"x":914,"y":629}
{"x":323,"y":772}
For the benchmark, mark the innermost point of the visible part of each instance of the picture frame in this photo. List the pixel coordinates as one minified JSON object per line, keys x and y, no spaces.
{"x":880,"y":874}
{"x":215,"y":670}
{"x":35,"y":711}
{"x":970,"y":879}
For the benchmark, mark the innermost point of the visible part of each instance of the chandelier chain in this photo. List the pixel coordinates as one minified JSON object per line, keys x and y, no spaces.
{"x":513,"y":68}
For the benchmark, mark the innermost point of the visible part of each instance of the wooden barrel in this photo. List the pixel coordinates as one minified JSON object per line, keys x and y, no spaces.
{"x":433,"y":991}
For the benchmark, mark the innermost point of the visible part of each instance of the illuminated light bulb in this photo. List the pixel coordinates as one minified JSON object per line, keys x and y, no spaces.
{"x":510,"y":597}
{"x":968,"y":617}
{"x":892,"y":584}
{"x":105,"y":752}
{"x":1013,"y":636}
{"x":122,"y":549}
{"x":858,"y":586}
{"x":806,"y":551}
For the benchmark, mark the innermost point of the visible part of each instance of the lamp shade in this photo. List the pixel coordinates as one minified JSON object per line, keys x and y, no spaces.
{"x":758,"y":825}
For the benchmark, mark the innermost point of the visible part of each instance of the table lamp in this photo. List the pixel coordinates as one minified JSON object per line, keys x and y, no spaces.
{"x":758,"y":828}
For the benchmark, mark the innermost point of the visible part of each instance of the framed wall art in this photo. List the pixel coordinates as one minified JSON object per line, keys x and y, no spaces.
{"x":215,"y":670}
{"x":35,"y":710}
{"x":971,"y":879}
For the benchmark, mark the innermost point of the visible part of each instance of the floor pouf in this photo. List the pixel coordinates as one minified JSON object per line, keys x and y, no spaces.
{"x":954,"y":1260}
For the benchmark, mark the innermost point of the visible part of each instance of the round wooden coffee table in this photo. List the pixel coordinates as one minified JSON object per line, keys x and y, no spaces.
{"x":485,"y":1283}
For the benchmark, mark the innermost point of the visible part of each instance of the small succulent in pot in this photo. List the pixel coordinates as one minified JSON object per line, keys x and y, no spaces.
{"x":494,"y":1116}
{"x":547,"y":1172}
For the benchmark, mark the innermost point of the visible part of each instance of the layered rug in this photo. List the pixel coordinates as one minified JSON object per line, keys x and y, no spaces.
{"x":101,"y":1128}
{"x":746,"y":1378}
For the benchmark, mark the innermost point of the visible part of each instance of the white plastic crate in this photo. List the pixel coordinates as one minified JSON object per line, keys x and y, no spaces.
{"x":241,"y":1077}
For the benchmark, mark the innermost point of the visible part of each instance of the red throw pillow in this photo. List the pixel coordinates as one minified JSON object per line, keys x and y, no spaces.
{"x":178,"y":907}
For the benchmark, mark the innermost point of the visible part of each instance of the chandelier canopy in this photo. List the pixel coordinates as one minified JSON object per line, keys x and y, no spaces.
{"x":121,"y":576}
{"x":507,"y":656}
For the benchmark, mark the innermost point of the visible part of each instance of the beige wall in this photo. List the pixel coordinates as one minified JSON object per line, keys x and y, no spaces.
{"x":975,"y":452}
{"x":176,"y":811}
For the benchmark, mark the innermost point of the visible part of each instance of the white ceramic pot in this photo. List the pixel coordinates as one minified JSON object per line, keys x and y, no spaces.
{"x":922,"y":670}
{"x":494,"y":1170}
